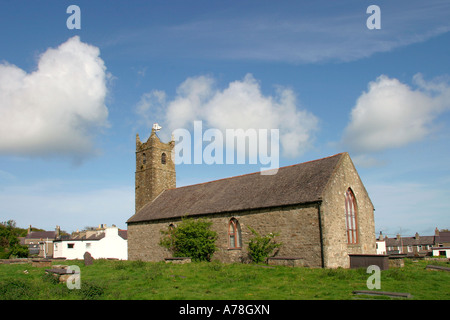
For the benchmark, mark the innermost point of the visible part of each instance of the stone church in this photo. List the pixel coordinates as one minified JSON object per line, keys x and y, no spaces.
{"x":320,"y":209}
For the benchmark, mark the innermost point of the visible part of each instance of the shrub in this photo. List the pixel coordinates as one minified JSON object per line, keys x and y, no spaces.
{"x":192,"y":238}
{"x":261,"y":247}
{"x":9,"y":241}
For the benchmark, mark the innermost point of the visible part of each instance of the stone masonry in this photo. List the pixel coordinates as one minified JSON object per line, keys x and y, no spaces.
{"x":155,"y":169}
{"x":332,"y":210}
{"x":296,"y":224}
{"x":312,"y":232}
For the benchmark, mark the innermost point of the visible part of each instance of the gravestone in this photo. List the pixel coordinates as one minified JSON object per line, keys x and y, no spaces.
{"x":88,"y":259}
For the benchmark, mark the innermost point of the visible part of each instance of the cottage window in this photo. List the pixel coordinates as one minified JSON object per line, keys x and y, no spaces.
{"x":350,"y":217}
{"x":70,"y":245}
{"x":234,"y":234}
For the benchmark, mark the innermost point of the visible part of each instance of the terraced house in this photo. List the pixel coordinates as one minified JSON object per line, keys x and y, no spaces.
{"x":320,"y":209}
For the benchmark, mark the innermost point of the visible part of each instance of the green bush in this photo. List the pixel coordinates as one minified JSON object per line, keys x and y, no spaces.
{"x":261,"y":247}
{"x":9,"y":241}
{"x":192,"y":238}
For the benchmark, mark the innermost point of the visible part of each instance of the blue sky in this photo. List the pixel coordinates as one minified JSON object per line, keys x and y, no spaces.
{"x":73,"y":100}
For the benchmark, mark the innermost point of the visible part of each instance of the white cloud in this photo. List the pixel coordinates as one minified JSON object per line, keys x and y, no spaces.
{"x":55,"y":109}
{"x":391,"y":114}
{"x":241,"y":105}
{"x":191,"y":102}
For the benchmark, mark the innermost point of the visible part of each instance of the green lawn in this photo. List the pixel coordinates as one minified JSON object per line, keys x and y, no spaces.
{"x":126,"y":280}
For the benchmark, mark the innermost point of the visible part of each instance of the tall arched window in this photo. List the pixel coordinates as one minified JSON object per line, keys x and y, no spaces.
{"x":234,"y":234}
{"x":350,"y":217}
{"x":163,"y":158}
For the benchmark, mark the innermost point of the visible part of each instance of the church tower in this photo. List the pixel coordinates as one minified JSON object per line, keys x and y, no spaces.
{"x":155,"y":169}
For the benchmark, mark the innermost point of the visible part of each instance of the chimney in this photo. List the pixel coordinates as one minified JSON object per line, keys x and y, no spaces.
{"x":29,"y":229}
{"x":436,"y":232}
{"x":380,"y":236}
{"x":416,"y":236}
{"x":57,"y":232}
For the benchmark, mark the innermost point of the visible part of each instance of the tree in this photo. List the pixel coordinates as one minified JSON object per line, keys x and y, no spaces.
{"x":9,"y":242}
{"x":191,"y":238}
{"x":261,"y":247}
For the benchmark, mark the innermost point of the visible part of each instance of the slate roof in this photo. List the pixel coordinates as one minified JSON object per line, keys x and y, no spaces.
{"x":410,"y":241}
{"x":443,"y":237}
{"x":97,"y":236}
{"x":41,"y":235}
{"x":123,"y":234}
{"x":296,"y":184}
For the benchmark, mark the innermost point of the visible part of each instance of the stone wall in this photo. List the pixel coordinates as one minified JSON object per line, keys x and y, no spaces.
{"x":332,"y":210}
{"x":298,"y":228}
{"x":152,"y":176}
{"x":304,"y":229}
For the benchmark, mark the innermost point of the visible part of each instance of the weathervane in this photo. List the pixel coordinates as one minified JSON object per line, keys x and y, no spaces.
{"x":156,"y":127}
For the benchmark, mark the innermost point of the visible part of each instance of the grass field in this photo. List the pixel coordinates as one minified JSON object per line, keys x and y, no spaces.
{"x":135,"y":280}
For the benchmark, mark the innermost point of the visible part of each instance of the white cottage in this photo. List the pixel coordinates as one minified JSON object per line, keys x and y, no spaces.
{"x":381,"y":244}
{"x":103,"y":244}
{"x":441,"y":251}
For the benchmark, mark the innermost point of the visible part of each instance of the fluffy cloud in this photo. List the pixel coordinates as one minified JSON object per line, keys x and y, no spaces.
{"x":55,"y":109}
{"x":391,"y":114}
{"x":241,"y":105}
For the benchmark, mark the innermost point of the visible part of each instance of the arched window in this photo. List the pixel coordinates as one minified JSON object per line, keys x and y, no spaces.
{"x":163,"y":158}
{"x":350,"y":217}
{"x":234,"y":234}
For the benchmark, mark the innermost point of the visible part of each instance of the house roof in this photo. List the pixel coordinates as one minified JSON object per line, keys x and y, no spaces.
{"x":41,"y":235}
{"x":443,"y":237}
{"x":123,"y":234}
{"x":95,"y":236}
{"x":410,"y":241}
{"x":295,"y":184}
